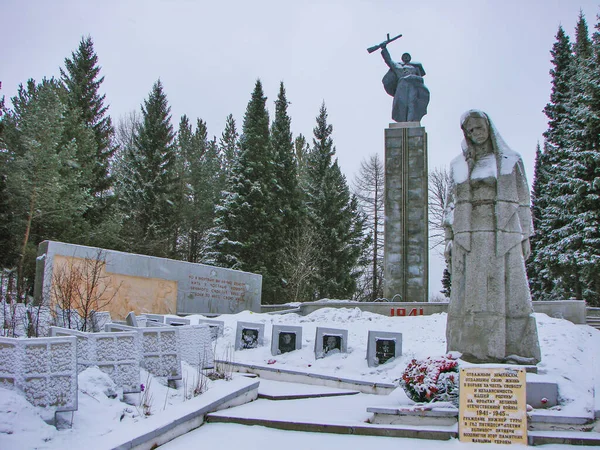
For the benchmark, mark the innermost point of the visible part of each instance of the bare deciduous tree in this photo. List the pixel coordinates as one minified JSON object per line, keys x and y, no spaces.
{"x":368,"y":187}
{"x":439,"y":183}
{"x":299,"y":262}
{"x":81,"y":286}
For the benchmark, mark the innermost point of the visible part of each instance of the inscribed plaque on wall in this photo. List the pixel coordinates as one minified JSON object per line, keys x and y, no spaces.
{"x":493,"y":406}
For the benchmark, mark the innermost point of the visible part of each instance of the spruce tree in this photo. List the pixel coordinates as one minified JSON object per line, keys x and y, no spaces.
{"x":82,"y":80}
{"x":229,"y":144}
{"x":545,"y":272}
{"x":148,"y":189}
{"x":334,"y":215}
{"x":286,"y":197}
{"x":246,"y":220}
{"x":301,"y":149}
{"x":203,"y":181}
{"x":446,"y":283}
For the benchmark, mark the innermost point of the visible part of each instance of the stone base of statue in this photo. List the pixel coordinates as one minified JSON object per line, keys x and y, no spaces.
{"x":406,"y":252}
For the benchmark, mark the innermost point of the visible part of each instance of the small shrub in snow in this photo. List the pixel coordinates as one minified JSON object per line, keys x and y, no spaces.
{"x":431,"y":380}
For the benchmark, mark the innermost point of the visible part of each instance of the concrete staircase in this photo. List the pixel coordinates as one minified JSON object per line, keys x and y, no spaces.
{"x":593,"y":321}
{"x":545,"y":426}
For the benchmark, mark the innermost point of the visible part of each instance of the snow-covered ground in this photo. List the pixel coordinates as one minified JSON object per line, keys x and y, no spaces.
{"x":569,"y":354}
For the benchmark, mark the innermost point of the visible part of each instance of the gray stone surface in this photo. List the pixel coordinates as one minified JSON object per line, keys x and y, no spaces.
{"x":131,"y":320}
{"x":295,"y":376}
{"x":329,"y":341}
{"x":177,"y":321}
{"x":158,"y":318}
{"x":383,"y":346}
{"x":488,"y":224}
{"x":285,"y":338}
{"x":99,"y":319}
{"x":195,"y":345}
{"x":414,"y":415}
{"x":406,"y":248}
{"x":216,"y":327}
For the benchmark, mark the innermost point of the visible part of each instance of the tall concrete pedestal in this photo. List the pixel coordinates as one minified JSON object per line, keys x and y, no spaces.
{"x":406,"y":250}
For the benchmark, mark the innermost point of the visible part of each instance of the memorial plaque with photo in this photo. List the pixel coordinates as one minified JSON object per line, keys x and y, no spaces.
{"x":249,"y":335}
{"x":329,"y":341}
{"x":493,"y":406}
{"x":285,"y":339}
{"x":383,"y":347}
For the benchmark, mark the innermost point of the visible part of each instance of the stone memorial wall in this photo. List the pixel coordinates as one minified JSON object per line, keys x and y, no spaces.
{"x":44,"y":369}
{"x":144,"y":284}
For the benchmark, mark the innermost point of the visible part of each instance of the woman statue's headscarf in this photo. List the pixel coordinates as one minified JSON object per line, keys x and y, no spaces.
{"x":505,"y":157}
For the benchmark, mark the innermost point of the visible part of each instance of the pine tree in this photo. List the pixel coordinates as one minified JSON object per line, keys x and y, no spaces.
{"x":246,"y":220}
{"x":82,"y":80}
{"x":43,"y":182}
{"x":148,"y":189}
{"x":334,"y":215}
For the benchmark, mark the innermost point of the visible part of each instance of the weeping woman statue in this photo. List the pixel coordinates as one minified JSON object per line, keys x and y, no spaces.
{"x":488,"y":224}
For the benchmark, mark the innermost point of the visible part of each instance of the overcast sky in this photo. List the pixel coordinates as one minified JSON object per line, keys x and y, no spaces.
{"x":491,"y":55}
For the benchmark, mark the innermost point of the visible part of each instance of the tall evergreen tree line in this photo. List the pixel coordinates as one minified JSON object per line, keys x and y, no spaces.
{"x":261,"y":200}
{"x":565,"y":260}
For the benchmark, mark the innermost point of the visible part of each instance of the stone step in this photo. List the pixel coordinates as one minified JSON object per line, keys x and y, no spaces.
{"x":304,"y":396}
{"x":413,"y":415}
{"x":563,"y":437}
{"x":295,"y":376}
{"x":555,"y":421}
{"x":416,"y":432}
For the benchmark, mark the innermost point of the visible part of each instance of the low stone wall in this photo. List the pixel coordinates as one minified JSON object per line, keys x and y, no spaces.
{"x":572,"y":310}
{"x":114,"y":353}
{"x":44,"y":369}
{"x":158,"y":347}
